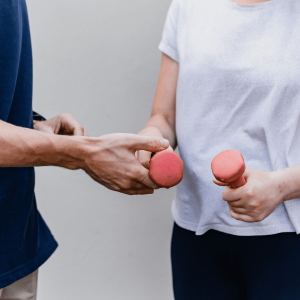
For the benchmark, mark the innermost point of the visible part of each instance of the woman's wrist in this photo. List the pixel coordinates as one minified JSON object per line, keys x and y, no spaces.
{"x":287,"y":182}
{"x":150,"y":131}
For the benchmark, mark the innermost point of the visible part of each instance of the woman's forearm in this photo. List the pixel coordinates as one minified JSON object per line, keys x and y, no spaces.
{"x":288,"y":181}
{"x":162,"y":121}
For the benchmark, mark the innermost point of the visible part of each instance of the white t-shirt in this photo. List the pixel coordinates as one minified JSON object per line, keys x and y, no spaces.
{"x":238,"y":88}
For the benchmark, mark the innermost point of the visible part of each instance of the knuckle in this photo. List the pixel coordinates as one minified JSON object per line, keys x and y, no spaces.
{"x":255,"y":205}
{"x":127,"y":186}
{"x":137,"y":174}
{"x":154,"y":143}
{"x":119,"y":186}
{"x":225,"y":195}
{"x":249,"y":193}
{"x":145,"y":163}
{"x":252,"y":205}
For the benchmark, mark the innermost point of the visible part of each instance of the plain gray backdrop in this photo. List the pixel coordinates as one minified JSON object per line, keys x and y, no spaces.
{"x":99,"y":61}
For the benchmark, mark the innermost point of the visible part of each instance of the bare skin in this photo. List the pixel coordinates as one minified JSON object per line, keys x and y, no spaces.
{"x":249,"y":2}
{"x":262,"y":193}
{"x":63,"y":124}
{"x":162,"y":121}
{"x":62,"y":141}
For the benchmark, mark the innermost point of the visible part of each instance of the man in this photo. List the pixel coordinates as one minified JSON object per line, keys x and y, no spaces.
{"x":25,"y":241}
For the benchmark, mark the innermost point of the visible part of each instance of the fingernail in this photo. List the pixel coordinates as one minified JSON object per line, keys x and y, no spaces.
{"x":164,"y":143}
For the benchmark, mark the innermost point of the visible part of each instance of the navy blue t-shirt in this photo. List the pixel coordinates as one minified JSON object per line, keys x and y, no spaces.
{"x":25,"y":240}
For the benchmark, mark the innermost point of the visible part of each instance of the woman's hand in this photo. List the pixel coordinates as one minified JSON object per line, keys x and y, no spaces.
{"x":63,"y":124}
{"x":257,"y":199}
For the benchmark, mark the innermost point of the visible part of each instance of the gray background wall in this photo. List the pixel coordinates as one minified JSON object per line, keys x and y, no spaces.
{"x":98,"y":60}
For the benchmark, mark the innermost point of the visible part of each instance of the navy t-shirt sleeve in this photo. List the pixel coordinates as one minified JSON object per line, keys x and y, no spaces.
{"x":26,"y":242}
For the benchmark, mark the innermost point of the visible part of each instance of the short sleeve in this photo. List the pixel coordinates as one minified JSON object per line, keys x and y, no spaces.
{"x":168,"y":44}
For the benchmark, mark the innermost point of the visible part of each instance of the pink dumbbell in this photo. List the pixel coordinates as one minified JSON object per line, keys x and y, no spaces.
{"x":229,"y":167}
{"x":166,"y":169}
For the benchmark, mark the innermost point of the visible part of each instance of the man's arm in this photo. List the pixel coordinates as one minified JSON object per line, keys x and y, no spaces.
{"x":109,"y":159}
{"x":162,"y":121}
{"x":22,"y":147}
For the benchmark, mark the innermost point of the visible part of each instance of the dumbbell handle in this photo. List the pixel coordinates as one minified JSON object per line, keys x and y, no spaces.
{"x":238,"y":183}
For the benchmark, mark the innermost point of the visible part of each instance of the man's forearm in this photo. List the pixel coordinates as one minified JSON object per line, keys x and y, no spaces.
{"x":22,"y":147}
{"x":159,"y":126}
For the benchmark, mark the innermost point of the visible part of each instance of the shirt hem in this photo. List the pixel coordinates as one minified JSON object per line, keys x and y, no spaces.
{"x":238,"y":231}
{"x":29,"y":267}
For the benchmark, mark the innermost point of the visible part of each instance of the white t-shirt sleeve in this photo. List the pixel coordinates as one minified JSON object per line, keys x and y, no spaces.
{"x":168,"y":44}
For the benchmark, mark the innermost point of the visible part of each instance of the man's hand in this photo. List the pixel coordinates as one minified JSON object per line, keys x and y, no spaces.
{"x":111,"y":161}
{"x":63,"y":124}
{"x":257,"y":199}
{"x":145,"y":156}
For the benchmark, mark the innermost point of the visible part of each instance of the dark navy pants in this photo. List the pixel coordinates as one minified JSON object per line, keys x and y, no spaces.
{"x":220,"y":266}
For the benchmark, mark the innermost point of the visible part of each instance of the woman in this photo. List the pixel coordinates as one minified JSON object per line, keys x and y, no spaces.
{"x":230,"y":79}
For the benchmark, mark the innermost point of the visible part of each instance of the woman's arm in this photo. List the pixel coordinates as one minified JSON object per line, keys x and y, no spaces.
{"x":262,"y":193}
{"x":289,"y":183}
{"x":162,"y":120}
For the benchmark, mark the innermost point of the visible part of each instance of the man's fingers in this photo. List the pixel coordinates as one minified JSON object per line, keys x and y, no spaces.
{"x":144,"y":158}
{"x":148,"y":182}
{"x":47,"y":129}
{"x":78,"y":131}
{"x":143,"y":191}
{"x":149,"y":143}
{"x":43,"y":126}
{"x":85,"y":133}
{"x":145,"y":179}
{"x":138,"y":192}
{"x":139,"y":186}
{"x":71,"y":126}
